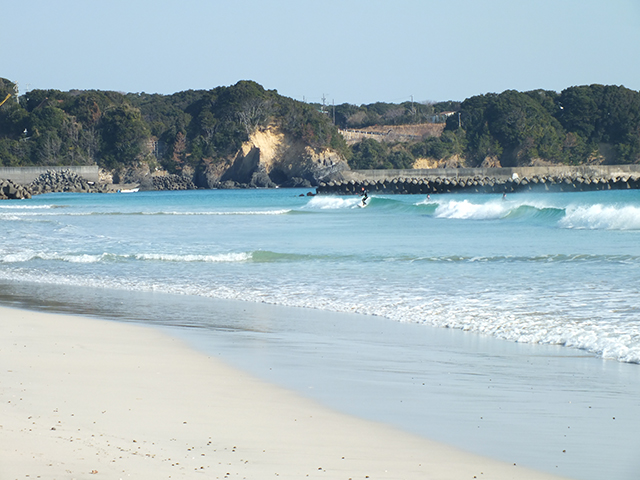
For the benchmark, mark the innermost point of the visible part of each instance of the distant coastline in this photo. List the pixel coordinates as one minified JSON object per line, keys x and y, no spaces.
{"x":244,"y":136}
{"x":24,"y":182}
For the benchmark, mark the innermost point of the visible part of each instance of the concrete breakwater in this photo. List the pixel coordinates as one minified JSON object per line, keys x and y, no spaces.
{"x":13,"y":191}
{"x":26,"y":175}
{"x":486,"y":180}
{"x":67,"y":179}
{"x":47,"y":182}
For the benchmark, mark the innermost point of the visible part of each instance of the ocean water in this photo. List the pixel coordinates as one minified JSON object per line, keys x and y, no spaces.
{"x":561,"y":269}
{"x":507,"y":327}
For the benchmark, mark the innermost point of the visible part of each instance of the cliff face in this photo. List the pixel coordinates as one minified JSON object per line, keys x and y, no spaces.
{"x":272,"y":158}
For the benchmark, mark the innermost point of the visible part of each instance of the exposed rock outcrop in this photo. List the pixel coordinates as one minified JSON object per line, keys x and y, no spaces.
{"x":271,"y":158}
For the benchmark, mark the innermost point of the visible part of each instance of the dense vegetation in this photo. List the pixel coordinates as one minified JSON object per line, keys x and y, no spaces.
{"x":50,"y":127}
{"x":352,"y":116}
{"x":370,"y":154}
{"x":571,"y":127}
{"x":578,"y":125}
{"x":192,"y":128}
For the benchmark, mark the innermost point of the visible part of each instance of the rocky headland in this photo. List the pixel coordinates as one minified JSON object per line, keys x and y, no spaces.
{"x":271,"y":158}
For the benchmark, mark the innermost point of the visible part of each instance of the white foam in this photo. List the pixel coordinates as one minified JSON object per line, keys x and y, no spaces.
{"x":223,"y":257}
{"x":22,"y":215}
{"x":485,"y":315}
{"x":601,"y":217}
{"x":18,"y":257}
{"x":13,"y":206}
{"x":240,"y":212}
{"x":465,"y":210}
{"x":426,"y":201}
{"x":327,"y":202}
{"x":83,"y":258}
{"x":27,"y":256}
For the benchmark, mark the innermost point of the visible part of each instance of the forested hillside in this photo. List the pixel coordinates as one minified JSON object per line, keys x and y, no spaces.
{"x":380,"y":113}
{"x":114,"y":130}
{"x":575,"y":126}
{"x":582,"y":124}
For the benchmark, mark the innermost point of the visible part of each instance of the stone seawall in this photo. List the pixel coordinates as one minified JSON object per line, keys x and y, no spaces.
{"x":77,"y":180}
{"x":26,"y":175}
{"x":487,"y":180}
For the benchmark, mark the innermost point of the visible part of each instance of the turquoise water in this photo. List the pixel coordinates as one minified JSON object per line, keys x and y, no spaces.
{"x":509,"y":328}
{"x":543,"y":268}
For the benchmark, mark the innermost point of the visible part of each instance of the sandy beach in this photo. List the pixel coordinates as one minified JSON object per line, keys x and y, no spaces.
{"x":86,"y":398}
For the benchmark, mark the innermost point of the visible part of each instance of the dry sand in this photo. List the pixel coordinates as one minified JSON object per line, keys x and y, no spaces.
{"x":85,"y":398}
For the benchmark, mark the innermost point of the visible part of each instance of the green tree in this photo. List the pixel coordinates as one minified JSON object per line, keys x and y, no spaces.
{"x":7,"y":87}
{"x":13,"y":120}
{"x":579,"y":110}
{"x":123,"y":136}
{"x":514,"y":126}
{"x":369,"y":154}
{"x":400,"y":159}
{"x":11,"y":153}
{"x":45,"y":119}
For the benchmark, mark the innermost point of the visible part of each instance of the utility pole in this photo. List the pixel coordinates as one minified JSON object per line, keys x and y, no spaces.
{"x":413,"y":110}
{"x":459,"y":124}
{"x":323,"y":101}
{"x":333,"y":102}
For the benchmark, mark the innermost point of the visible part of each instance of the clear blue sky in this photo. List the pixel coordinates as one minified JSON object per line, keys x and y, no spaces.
{"x":353,"y":51}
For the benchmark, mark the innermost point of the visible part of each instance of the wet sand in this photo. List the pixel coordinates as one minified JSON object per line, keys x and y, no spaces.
{"x":84,"y":398}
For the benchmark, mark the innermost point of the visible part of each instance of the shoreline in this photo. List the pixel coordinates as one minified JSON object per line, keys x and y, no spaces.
{"x":84,"y":395}
{"x":24,"y":182}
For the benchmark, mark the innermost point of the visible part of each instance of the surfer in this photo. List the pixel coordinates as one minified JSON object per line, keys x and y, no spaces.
{"x":364,"y":196}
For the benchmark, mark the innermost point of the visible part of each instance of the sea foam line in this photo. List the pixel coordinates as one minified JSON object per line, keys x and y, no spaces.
{"x":13,"y":206}
{"x":333,"y":202}
{"x":605,"y":340}
{"x":602,"y":217}
{"x":466,"y":210}
{"x":265,"y":256}
{"x":248,"y":212}
{"x":223,"y":257}
{"x":19,"y":215}
{"x":25,"y":256}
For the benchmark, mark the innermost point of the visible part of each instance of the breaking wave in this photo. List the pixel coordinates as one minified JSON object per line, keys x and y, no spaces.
{"x":602,"y":217}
